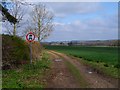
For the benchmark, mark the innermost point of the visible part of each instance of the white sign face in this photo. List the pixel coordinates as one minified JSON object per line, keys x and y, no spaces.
{"x":30,"y":37}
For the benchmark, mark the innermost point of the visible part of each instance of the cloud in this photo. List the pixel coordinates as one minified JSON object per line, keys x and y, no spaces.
{"x":62,"y":9}
{"x":92,"y":29}
{"x":72,"y":0}
{"x":110,"y":21}
{"x":58,"y":24}
{"x":95,"y":25}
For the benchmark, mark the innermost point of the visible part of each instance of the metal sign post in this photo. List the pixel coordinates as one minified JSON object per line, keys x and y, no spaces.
{"x":30,"y":37}
{"x":30,"y":52}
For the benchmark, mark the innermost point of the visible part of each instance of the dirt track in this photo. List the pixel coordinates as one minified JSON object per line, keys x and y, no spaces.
{"x":60,"y":76}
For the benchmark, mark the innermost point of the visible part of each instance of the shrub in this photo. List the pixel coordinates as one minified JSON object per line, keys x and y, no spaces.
{"x":14,"y":51}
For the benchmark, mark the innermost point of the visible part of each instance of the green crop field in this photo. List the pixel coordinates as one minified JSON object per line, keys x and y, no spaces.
{"x":108,"y":55}
{"x":104,"y":59}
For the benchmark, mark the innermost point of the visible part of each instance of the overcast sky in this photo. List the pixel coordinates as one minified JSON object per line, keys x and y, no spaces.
{"x":84,"y":20}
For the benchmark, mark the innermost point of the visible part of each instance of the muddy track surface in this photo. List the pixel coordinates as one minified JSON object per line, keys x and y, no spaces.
{"x":60,"y":76}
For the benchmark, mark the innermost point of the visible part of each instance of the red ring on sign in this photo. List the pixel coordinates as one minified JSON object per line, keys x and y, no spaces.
{"x":31,"y":34}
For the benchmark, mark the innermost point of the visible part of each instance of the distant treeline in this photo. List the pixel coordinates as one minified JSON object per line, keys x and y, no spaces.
{"x":87,"y":43}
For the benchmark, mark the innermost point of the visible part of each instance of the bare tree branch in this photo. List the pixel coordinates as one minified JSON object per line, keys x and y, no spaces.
{"x":16,"y":11}
{"x":42,"y":19}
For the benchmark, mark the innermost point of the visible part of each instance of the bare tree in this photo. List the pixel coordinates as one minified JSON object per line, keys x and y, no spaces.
{"x":42,"y":21}
{"x":16,"y":10}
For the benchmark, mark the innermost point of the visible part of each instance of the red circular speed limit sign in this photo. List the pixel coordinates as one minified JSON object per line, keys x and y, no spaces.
{"x":30,"y":37}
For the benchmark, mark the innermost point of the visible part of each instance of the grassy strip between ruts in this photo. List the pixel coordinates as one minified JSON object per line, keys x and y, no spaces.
{"x":27,"y":76}
{"x":77,"y":75}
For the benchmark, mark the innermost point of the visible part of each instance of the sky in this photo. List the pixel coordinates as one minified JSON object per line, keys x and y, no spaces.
{"x":83,"y":20}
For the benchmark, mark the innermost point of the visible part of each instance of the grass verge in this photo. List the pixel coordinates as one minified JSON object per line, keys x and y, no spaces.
{"x":77,"y":75}
{"x":106,"y":69}
{"x":101,"y":67}
{"x":27,"y":76}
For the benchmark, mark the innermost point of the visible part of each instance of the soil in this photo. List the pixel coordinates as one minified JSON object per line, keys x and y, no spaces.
{"x":60,"y":76}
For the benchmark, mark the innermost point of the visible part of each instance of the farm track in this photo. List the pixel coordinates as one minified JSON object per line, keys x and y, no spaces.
{"x":59,"y":76}
{"x":66,"y":80}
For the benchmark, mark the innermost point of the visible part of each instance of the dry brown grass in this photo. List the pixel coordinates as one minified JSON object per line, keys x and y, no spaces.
{"x":36,"y":50}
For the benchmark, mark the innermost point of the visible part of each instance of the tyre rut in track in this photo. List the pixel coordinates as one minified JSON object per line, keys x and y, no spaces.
{"x":59,"y":76}
{"x":94,"y":79}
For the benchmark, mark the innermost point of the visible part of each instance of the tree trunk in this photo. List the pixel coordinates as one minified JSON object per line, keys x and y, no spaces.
{"x":39,"y":34}
{"x":39,"y":39}
{"x":14,"y":30}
